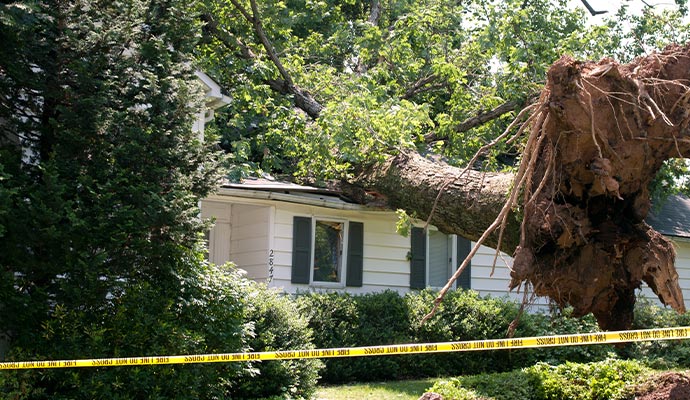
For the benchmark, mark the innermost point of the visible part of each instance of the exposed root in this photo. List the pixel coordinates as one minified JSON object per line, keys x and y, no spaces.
{"x":582,"y":184}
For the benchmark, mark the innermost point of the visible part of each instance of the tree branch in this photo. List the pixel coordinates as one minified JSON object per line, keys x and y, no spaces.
{"x":422,"y":85}
{"x":285,"y":86}
{"x":478,"y":120}
{"x":375,"y":13}
{"x":258,"y":28}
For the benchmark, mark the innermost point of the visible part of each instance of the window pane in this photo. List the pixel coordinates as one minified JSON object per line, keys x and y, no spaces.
{"x":439,"y":259}
{"x":328,"y":251}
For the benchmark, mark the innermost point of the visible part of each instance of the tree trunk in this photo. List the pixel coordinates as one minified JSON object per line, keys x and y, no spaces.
{"x":465,"y":205}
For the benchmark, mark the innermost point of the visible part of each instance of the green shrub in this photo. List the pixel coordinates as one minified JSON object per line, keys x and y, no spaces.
{"x":277,"y":325}
{"x":604,"y":380}
{"x":658,"y":354}
{"x":199,"y":313}
{"x":561,"y":322}
{"x":215,"y":310}
{"x":501,"y":385}
{"x":463,"y":315}
{"x":334,"y":321}
{"x":344,"y":320}
{"x":593,"y":381}
{"x":452,"y":389}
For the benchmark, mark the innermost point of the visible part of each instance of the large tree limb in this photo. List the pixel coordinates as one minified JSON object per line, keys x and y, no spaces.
{"x":467,"y":207}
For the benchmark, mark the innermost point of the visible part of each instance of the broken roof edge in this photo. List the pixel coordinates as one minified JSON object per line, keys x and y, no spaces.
{"x":271,"y":189}
{"x":672,"y":220}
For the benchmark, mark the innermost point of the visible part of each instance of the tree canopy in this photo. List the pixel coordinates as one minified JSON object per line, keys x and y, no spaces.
{"x":392,"y":97}
{"x":321,"y":87}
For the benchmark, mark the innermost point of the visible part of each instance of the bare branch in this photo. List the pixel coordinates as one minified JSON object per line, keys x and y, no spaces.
{"x":258,"y":28}
{"x":423,"y":85}
{"x":479,"y":119}
{"x":375,"y":13}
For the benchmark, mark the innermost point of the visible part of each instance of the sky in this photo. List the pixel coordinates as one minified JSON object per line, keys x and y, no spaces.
{"x":634,"y":6}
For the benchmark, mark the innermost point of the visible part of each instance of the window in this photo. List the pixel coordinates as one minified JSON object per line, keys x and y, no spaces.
{"x":435,"y":257}
{"x":332,"y":255}
{"x":440,"y":260}
{"x":328,"y":251}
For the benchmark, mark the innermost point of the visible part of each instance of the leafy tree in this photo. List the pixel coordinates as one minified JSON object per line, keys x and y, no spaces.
{"x":392,"y":97}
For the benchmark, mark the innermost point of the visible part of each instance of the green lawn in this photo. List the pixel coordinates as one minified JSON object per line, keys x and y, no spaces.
{"x":397,"y":390}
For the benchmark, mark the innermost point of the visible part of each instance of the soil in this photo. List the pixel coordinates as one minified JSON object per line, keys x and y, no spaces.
{"x":598,"y":135}
{"x":666,"y":386}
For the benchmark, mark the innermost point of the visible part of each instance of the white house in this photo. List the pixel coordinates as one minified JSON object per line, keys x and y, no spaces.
{"x":300,"y":238}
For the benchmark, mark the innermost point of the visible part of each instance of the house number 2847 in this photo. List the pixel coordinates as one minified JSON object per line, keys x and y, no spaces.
{"x":270,"y":265}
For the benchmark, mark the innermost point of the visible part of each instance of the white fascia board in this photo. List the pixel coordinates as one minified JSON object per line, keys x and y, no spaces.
{"x":325,"y":202}
{"x":215,"y":98}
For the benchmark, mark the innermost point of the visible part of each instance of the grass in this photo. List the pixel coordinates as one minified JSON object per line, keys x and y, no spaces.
{"x":395,"y":390}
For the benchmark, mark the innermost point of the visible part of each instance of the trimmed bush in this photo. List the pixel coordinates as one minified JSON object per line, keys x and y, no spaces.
{"x":658,"y":354}
{"x":277,"y":325}
{"x":463,"y":315}
{"x":344,"y":320}
{"x":561,"y":322}
{"x":216,"y":310}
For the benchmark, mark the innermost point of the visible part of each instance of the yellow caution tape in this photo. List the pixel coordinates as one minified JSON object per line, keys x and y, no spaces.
{"x":578,"y":339}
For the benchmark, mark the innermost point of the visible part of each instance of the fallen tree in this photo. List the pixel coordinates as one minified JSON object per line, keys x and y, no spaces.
{"x":592,"y":141}
{"x":596,"y":138}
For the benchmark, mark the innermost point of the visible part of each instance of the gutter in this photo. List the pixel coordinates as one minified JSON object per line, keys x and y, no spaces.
{"x":291,"y":198}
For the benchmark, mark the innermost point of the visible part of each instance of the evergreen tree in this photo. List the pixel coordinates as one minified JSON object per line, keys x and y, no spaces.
{"x":100,"y":172}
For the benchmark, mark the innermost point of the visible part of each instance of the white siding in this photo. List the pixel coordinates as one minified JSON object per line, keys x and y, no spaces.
{"x":219,"y":236}
{"x":493,"y":281}
{"x":241,"y":233}
{"x":248,"y":231}
{"x":249,"y":241}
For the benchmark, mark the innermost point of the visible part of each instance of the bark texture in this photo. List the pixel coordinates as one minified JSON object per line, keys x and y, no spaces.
{"x":467,"y":206}
{"x":603,"y":133}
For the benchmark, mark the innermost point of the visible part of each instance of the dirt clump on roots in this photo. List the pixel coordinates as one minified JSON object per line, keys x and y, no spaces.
{"x":665,"y":386}
{"x":597,"y":136}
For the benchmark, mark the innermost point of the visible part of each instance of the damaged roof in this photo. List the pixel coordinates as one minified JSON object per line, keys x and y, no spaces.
{"x":673,"y":219}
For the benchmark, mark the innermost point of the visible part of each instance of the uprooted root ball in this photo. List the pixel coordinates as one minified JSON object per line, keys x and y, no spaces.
{"x":598,"y":136}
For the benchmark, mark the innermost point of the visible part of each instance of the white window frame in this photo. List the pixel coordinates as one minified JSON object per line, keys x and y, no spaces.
{"x":343,"y":259}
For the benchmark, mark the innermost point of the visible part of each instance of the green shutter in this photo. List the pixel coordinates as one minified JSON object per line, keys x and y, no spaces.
{"x":301,"y":249}
{"x":355,"y":254}
{"x":417,"y":258}
{"x":465,"y":279}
